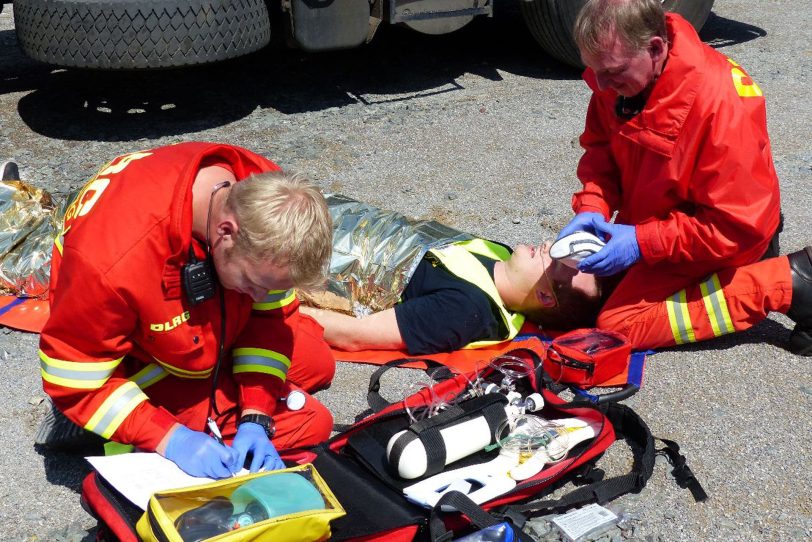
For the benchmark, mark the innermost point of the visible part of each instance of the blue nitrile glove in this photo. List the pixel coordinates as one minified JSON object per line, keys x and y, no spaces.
{"x":621,"y":252}
{"x":251,"y":437}
{"x":198,"y":454}
{"x":582,"y":222}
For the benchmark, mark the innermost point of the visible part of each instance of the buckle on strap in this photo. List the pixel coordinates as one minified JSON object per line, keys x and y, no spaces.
{"x":681,"y":472}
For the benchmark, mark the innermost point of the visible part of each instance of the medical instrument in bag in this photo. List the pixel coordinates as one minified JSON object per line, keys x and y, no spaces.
{"x":531,"y":444}
{"x":406,"y":450}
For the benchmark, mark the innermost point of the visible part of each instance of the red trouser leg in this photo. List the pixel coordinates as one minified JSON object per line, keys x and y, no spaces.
{"x":664,"y":307}
{"x":312,"y":364}
{"x":312,"y":368}
{"x":188,"y":401}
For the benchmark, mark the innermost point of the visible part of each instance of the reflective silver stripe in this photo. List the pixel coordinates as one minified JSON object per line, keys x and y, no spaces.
{"x":84,"y":375}
{"x":679,"y":318}
{"x":115,"y":409}
{"x":69,"y":374}
{"x":149,"y":375}
{"x":716,"y":306}
{"x":260,"y":360}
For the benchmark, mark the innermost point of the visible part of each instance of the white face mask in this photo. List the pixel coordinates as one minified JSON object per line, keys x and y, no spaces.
{"x":573,"y":248}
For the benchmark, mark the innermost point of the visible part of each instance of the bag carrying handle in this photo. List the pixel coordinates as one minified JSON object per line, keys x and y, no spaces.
{"x":378,"y":403}
{"x":478,"y":517}
{"x":584,"y":396}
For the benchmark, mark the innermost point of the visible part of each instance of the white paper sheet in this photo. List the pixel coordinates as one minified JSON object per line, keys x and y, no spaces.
{"x":138,"y":475}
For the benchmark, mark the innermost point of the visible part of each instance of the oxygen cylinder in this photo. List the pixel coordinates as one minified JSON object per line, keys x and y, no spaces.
{"x":460,"y":440}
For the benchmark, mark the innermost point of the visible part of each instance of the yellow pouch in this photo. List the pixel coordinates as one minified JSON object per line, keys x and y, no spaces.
{"x":292,"y":504}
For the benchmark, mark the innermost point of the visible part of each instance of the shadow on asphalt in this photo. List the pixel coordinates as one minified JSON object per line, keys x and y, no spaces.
{"x":765,"y":332}
{"x":66,"y":468}
{"x":721,"y":32}
{"x":397,"y":65}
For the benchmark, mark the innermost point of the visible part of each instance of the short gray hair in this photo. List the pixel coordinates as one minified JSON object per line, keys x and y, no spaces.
{"x":634,"y":22}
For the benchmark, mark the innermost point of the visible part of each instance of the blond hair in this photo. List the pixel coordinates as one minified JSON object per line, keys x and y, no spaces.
{"x":634,"y":22}
{"x":283,"y":218}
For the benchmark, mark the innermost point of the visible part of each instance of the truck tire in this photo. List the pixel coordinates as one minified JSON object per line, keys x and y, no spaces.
{"x":139,"y":34}
{"x":551,"y":22}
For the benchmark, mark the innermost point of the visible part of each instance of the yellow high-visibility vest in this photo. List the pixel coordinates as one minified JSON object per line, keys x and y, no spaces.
{"x":460,"y":260}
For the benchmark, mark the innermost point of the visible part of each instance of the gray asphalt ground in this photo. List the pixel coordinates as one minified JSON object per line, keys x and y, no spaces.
{"x":477,"y":129}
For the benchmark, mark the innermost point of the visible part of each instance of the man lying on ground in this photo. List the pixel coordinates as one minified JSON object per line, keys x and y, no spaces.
{"x":470,"y":294}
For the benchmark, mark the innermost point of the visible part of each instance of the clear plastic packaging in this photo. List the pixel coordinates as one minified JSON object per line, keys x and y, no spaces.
{"x":501,"y":532}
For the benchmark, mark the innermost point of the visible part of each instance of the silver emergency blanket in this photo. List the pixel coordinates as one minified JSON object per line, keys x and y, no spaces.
{"x":28,"y":225}
{"x":375,"y":253}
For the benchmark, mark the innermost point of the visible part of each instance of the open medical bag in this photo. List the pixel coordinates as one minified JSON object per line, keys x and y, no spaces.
{"x":380,"y":504}
{"x":286,"y":505}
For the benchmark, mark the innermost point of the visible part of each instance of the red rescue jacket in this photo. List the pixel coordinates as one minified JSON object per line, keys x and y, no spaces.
{"x":119,"y":321}
{"x":693,"y":171}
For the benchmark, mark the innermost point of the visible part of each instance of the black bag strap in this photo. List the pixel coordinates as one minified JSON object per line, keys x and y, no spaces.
{"x":435,"y":370}
{"x":478,"y":517}
{"x":682,"y":472}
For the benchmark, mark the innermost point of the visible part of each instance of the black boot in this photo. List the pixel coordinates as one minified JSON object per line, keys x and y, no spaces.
{"x":800,"y":310}
{"x":9,"y":171}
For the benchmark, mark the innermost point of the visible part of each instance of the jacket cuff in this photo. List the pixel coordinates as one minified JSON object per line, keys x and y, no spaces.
{"x":261,"y":398}
{"x":149,"y":433}
{"x":652,"y":249}
{"x":591,"y":205}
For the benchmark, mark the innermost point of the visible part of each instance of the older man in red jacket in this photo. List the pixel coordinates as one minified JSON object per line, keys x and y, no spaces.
{"x":676,"y":143}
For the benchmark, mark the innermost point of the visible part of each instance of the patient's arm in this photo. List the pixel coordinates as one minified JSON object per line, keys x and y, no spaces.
{"x":378,"y":331}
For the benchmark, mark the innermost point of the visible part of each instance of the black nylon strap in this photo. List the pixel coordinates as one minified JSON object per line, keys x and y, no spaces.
{"x":400,"y":444}
{"x":496,"y":416}
{"x":378,"y":403}
{"x":450,"y":414}
{"x":478,"y":517}
{"x":682,"y":472}
{"x":435,"y":450}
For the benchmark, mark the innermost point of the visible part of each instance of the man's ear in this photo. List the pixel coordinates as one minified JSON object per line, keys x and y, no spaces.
{"x":227,"y":232}
{"x":657,"y":48}
{"x":545,"y":298}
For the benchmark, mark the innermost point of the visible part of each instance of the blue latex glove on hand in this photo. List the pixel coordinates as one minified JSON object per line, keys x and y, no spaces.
{"x":583,"y":222}
{"x":198,"y":454}
{"x":620,"y":252}
{"x":251,"y":437}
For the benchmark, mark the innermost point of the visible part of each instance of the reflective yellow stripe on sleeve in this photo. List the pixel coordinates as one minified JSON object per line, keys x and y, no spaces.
{"x":184,"y":373}
{"x":679,"y":318}
{"x":114,"y":409}
{"x":149,"y":375}
{"x":275,"y":299}
{"x":76,"y":374}
{"x":716,"y":306}
{"x":260,"y":360}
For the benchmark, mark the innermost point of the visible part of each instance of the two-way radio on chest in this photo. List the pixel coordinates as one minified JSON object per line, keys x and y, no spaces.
{"x":199,"y":284}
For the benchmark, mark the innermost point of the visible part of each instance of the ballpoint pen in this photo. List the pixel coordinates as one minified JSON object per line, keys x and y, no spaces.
{"x":215,"y":431}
